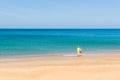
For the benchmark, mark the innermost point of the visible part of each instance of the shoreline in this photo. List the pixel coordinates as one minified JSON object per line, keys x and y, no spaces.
{"x":90,"y":54}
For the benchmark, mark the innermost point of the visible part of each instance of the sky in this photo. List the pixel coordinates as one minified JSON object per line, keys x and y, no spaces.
{"x":59,"y":13}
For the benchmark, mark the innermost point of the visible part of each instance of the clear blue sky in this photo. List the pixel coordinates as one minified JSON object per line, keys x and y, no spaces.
{"x":59,"y":13}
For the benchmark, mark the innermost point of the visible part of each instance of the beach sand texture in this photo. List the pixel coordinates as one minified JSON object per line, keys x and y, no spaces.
{"x":107,"y":68}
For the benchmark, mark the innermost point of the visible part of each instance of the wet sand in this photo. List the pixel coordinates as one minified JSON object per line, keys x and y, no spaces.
{"x":60,"y":68}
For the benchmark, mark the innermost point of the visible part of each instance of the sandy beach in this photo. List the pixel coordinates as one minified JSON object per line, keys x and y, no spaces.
{"x":61,"y":68}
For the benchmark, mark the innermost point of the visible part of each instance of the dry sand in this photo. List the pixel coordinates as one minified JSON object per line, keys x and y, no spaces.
{"x":56,"y":68}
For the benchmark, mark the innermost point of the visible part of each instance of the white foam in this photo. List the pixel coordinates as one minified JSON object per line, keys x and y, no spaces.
{"x":70,"y":55}
{"x":4,"y":60}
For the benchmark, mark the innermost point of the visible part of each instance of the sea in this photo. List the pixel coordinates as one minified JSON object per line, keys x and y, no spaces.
{"x":57,"y":41}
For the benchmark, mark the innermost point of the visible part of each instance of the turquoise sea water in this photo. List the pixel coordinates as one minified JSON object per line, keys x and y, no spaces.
{"x":57,"y":41}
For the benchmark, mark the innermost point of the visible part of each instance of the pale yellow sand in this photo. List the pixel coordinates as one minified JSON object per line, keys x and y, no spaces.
{"x":76,"y":68}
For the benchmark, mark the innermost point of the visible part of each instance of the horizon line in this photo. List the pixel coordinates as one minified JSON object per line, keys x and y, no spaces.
{"x":59,"y":28}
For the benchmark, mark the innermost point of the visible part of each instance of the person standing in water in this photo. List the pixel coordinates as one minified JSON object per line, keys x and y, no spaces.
{"x":79,"y":51}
